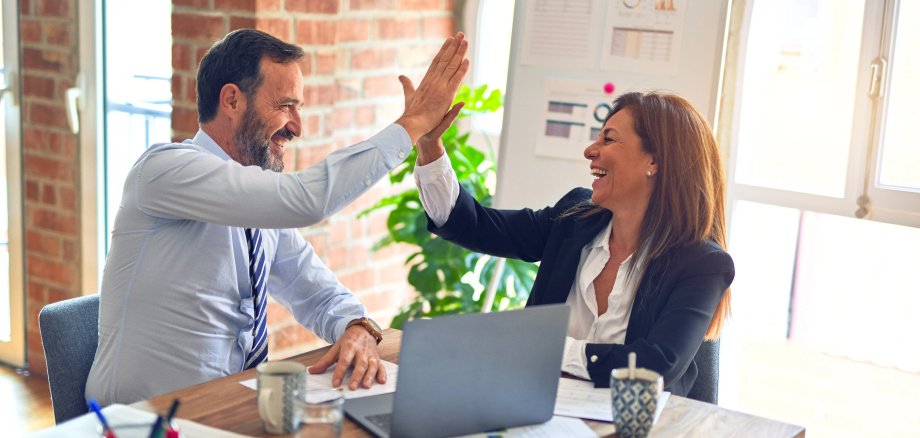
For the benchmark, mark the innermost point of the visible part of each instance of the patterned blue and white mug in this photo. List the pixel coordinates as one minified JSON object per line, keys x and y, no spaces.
{"x":634,"y":400}
{"x":280,"y":384}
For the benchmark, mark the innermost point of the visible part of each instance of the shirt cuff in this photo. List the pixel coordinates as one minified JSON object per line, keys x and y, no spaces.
{"x":394,"y":143}
{"x":573,"y":358}
{"x":435,"y":170}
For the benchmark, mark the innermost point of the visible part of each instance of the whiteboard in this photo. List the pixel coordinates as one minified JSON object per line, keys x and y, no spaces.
{"x":528,"y":178}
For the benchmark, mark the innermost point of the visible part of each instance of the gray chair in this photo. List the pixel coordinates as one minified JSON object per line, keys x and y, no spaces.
{"x":706,"y":387}
{"x":70,"y":333}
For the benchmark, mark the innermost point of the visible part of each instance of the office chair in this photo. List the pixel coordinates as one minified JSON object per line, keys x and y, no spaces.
{"x":706,"y":387}
{"x":70,"y":333}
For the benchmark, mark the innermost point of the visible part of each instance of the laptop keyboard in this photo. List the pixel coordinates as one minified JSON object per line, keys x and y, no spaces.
{"x":381,"y":420}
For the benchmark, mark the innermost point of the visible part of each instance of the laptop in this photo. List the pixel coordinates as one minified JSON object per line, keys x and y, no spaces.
{"x":471,"y":373}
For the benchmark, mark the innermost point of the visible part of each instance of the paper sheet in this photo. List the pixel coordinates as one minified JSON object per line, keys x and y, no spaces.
{"x":319,"y":386}
{"x":128,"y":422}
{"x":643,"y":36}
{"x":580,"y":399}
{"x":555,"y":427}
{"x":558,"y":32}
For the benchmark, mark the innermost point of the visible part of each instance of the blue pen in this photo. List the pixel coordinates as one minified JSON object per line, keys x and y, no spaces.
{"x":107,"y":431}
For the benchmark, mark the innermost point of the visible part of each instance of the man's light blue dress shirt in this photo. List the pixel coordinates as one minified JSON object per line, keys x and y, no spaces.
{"x":176,"y":303}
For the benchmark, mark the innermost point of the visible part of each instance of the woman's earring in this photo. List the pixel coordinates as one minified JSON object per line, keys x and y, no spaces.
{"x":649,"y":173}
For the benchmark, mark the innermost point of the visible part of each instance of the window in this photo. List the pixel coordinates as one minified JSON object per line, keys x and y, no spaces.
{"x":824,"y":211}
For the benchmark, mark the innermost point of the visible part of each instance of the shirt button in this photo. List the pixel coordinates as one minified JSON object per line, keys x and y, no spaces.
{"x":367,"y":182}
{"x":593,"y":358}
{"x":402,"y":155}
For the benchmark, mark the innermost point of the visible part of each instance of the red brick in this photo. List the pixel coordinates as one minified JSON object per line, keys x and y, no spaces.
{"x":191,"y":93}
{"x":310,"y":125}
{"x":268,"y":5}
{"x":62,"y":274}
{"x":306,"y":64}
{"x":49,"y":197}
{"x":352,"y":30}
{"x":70,"y":250}
{"x":290,"y":336}
{"x":359,"y":280}
{"x":235,"y":5}
{"x":361,"y":5}
{"x":415,"y":5}
{"x":325,"y":63}
{"x":66,"y":146}
{"x":198,"y":4}
{"x":52,"y":221}
{"x":373,"y":58}
{"x":44,"y":244}
{"x":30,"y":31}
{"x":278,"y":27}
{"x":181,"y":57}
{"x":67,"y":197}
{"x":60,"y":34}
{"x":437,"y":27}
{"x":25,"y":7}
{"x":32,"y":190}
{"x":48,"y":115}
{"x":315,"y":32}
{"x":381,"y":301}
{"x":37,"y":86}
{"x":348,"y":89}
{"x":342,"y":118}
{"x":364,"y":116}
{"x":176,"y":84}
{"x":379,"y":86}
{"x":313,"y":6}
{"x":396,"y":272}
{"x":185,"y":119}
{"x":318,"y":95}
{"x":338,"y":232}
{"x":197,"y":26}
{"x":48,"y":168}
{"x":47,"y":60}
{"x":238,"y":22}
{"x":53,"y":8}
{"x":397,"y":28}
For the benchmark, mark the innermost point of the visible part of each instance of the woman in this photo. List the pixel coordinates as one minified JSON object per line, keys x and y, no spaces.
{"x":640,"y":257}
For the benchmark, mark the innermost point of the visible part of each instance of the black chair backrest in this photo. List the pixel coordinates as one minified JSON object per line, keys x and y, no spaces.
{"x":706,"y":387}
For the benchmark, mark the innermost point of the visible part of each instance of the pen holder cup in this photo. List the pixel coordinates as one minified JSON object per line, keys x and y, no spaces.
{"x":634,"y":400}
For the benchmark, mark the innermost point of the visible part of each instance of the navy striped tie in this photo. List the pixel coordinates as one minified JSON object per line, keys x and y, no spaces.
{"x":257,"y":276}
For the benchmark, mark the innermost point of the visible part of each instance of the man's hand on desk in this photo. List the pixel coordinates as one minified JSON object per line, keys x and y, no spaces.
{"x":355,"y":348}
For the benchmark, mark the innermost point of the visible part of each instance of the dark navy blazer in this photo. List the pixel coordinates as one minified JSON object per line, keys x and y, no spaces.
{"x":674,"y":303}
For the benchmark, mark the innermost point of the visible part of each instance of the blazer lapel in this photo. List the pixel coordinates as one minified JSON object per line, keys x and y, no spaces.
{"x":564,"y":269}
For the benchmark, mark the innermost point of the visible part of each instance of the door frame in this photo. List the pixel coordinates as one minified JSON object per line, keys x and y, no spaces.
{"x":14,"y":352}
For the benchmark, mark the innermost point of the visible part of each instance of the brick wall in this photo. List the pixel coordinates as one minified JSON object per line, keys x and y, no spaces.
{"x":355,"y":51}
{"x":50,"y":166}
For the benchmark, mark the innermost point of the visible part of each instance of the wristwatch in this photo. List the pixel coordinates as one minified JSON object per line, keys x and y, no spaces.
{"x":368,"y":325}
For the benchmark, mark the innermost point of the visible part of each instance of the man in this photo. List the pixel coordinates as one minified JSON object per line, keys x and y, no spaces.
{"x":205,"y":228}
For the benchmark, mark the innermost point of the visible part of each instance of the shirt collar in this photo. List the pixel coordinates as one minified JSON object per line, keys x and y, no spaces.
{"x":204,"y":140}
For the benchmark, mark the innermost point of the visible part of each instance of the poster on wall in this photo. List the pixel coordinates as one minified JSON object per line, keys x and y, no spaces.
{"x":558,"y":33}
{"x":573,"y":114}
{"x":643,"y":36}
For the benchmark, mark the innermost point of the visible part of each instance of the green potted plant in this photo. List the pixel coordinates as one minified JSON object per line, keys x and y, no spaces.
{"x":450,"y":279}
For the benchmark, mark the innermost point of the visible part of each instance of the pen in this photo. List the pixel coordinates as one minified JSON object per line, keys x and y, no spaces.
{"x":107,"y":431}
{"x":155,"y":432}
{"x":172,"y":411}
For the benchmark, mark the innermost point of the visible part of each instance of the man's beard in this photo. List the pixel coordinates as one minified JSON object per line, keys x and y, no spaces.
{"x":254,"y":149}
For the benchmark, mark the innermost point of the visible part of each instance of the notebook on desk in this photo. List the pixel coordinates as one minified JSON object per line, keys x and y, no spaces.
{"x":471,"y":373}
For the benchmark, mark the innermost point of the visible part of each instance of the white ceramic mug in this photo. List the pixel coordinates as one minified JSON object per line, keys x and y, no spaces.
{"x":280,"y":384}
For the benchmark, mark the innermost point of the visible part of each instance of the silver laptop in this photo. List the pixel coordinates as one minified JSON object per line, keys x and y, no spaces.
{"x":471,"y":373}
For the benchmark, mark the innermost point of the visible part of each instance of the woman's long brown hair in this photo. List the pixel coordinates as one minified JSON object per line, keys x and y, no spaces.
{"x":687,"y":204}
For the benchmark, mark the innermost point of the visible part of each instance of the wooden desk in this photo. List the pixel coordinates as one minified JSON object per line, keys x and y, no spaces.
{"x":225,"y":404}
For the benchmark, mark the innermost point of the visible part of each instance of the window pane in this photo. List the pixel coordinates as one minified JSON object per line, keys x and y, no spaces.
{"x":900,"y":151}
{"x":492,"y":50}
{"x":137,"y":89}
{"x":798,"y":93}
